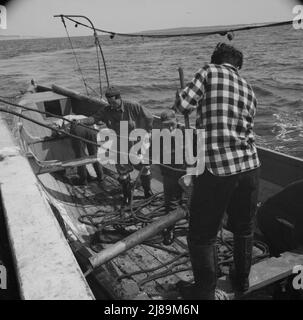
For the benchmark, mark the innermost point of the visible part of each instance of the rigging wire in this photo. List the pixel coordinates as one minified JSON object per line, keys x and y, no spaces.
{"x":98,"y":63}
{"x":75,"y":55}
{"x":103,"y":58}
{"x":97,"y":41}
{"x":90,"y":87}
{"x":221,"y":32}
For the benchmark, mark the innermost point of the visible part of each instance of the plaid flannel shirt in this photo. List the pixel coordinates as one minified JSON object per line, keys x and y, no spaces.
{"x":226,"y":106}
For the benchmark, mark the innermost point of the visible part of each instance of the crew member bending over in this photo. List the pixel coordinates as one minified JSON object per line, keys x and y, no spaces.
{"x":137,"y":117}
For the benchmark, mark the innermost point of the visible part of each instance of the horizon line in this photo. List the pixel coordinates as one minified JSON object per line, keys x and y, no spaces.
{"x":145,"y":31}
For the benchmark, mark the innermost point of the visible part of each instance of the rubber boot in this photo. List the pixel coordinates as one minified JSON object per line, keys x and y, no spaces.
{"x":239,"y":273}
{"x":146,"y":184}
{"x":126,"y":190}
{"x":204,"y":265}
{"x":99,"y":171}
{"x":168,"y":233}
{"x":168,"y":236}
{"x":83,"y":175}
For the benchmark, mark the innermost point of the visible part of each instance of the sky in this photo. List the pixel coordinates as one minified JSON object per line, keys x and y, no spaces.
{"x":35,"y":17}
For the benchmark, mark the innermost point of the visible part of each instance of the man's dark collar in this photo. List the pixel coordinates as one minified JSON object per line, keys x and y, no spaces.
{"x":121,"y":108}
{"x":228,"y":65}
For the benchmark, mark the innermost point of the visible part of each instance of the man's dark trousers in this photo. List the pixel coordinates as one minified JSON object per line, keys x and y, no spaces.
{"x":92,"y":149}
{"x":212,"y":196}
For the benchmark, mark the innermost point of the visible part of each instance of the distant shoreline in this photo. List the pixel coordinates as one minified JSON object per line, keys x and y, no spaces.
{"x":16,"y":37}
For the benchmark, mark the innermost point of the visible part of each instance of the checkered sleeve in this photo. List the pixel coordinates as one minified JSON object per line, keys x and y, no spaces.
{"x":193,"y":92}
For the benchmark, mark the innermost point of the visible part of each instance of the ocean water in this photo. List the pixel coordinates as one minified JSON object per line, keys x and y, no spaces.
{"x":146,"y":70}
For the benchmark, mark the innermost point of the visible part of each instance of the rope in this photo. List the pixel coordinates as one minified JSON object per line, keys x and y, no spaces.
{"x":98,"y":63}
{"x":128,"y":275}
{"x":116,"y":220}
{"x":90,"y":87}
{"x":127,"y":216}
{"x":222,"y":32}
{"x":225,"y":258}
{"x":75,"y":55}
{"x":97,"y":42}
{"x":163,"y":275}
{"x":103,"y":58}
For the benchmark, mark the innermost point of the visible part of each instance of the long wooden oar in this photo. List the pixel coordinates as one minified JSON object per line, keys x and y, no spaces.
{"x":182,"y":84}
{"x":136,"y":238}
{"x":186,"y":180}
{"x":80,"y":97}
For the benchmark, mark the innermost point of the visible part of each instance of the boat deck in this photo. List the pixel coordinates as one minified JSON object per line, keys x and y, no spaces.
{"x":152,"y":277}
{"x":144,"y":261}
{"x":77,"y":201}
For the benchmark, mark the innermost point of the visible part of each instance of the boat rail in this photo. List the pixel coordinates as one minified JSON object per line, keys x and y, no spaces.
{"x":45,"y":265}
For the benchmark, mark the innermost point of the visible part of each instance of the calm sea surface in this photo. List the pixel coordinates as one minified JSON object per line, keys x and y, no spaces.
{"x":146,"y":71}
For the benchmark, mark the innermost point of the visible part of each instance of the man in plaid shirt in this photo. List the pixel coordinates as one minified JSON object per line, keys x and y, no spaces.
{"x":226,"y":106}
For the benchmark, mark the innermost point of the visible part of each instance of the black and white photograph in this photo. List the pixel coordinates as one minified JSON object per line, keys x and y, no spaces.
{"x":151,"y":152}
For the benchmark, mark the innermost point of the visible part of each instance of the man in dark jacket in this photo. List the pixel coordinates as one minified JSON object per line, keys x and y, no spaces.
{"x":137,"y":117}
{"x":79,"y":149}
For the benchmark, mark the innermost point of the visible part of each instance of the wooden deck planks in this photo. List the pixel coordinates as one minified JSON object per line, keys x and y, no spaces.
{"x":136,"y":259}
{"x":126,"y":264}
{"x":163,"y":257}
{"x":146,"y":261}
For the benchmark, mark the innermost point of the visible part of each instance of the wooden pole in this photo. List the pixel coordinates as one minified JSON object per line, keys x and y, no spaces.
{"x":182,"y":84}
{"x":76,"y":95}
{"x":136,"y":238}
{"x":186,"y":180}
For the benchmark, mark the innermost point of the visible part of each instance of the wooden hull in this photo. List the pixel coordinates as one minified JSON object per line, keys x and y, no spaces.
{"x":71,"y":202}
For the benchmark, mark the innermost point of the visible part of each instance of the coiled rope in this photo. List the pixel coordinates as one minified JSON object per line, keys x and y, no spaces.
{"x":225,"y":259}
